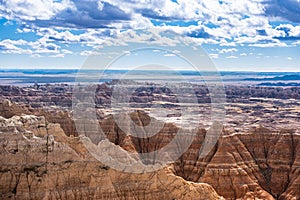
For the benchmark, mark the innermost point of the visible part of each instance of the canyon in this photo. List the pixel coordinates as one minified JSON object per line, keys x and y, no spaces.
{"x":43,"y":157}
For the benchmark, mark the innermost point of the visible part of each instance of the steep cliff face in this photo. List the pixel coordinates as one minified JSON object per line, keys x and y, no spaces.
{"x":261,"y":164}
{"x":61,"y":117}
{"x":139,"y":144}
{"x":38,"y":161}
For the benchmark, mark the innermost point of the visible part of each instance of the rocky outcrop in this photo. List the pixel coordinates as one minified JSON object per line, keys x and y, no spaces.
{"x":39,"y":96}
{"x":62,"y":117}
{"x":262,"y":164}
{"x":138,"y":144}
{"x":39,"y":162}
{"x":9,"y":109}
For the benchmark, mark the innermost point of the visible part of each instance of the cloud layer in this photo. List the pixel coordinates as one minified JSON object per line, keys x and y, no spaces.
{"x":91,"y":23}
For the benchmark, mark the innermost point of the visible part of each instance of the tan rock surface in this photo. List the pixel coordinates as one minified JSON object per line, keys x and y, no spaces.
{"x":39,"y":160}
{"x":53,"y":166}
{"x":262,"y":164}
{"x":9,"y":109}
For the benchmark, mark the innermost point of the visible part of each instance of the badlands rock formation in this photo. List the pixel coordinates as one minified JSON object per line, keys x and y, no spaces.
{"x":261,"y":164}
{"x":8,"y":109}
{"x":39,"y":161}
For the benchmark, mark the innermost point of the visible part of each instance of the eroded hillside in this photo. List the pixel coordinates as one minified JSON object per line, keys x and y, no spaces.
{"x":39,"y":160}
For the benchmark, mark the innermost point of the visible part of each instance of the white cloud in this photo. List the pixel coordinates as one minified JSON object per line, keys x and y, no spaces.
{"x":254,"y":39}
{"x":33,"y":10}
{"x":288,"y":31}
{"x":63,"y":36}
{"x":89,"y":53}
{"x":295,"y":31}
{"x":24,"y":30}
{"x":11,"y":47}
{"x":231,"y":57}
{"x":274,"y":44}
{"x":169,"y":55}
{"x":35,"y":56}
{"x":225,"y":43}
{"x":228,"y":50}
{"x":94,"y":23}
{"x":41,"y":46}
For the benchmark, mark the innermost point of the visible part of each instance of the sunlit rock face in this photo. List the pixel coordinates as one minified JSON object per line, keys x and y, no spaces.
{"x":62,"y":117}
{"x":38,"y":160}
{"x":261,"y":164}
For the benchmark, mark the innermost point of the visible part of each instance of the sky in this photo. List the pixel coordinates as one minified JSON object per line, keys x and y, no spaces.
{"x":244,"y":35}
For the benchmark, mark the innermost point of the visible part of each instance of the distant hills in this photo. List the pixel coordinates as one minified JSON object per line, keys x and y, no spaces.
{"x":280,"y":84}
{"x":291,"y":77}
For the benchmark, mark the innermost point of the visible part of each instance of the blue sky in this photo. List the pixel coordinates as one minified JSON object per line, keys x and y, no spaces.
{"x":257,"y":35}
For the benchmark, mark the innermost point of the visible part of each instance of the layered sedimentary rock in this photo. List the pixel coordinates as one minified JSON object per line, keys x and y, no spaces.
{"x":262,"y":164}
{"x":247,"y":106}
{"x":61,"y":94}
{"x":38,"y":160}
{"x":9,"y":109}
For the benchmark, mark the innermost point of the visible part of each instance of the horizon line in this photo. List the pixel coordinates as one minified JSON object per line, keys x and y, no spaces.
{"x":183,"y":70}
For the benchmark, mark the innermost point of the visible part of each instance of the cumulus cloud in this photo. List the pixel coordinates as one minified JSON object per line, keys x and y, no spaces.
{"x":231,"y":50}
{"x":12,"y":47}
{"x":227,"y":23}
{"x":289,"y":32}
{"x":224,"y":42}
{"x":72,"y":14}
{"x":35,"y":49}
{"x":231,"y":57}
{"x":32,"y":10}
